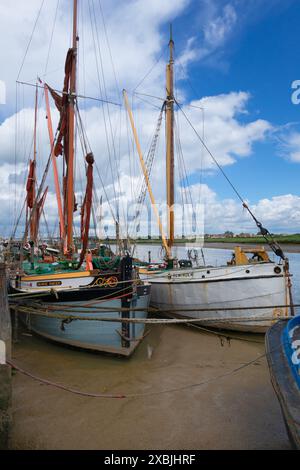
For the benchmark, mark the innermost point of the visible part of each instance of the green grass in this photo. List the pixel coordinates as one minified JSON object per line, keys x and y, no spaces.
{"x":288,"y":239}
{"x":292,"y":239}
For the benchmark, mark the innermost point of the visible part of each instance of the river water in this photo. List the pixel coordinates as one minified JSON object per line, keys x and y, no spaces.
{"x":210,"y":406}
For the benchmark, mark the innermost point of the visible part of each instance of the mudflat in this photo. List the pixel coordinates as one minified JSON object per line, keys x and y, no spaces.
{"x":237,"y":410}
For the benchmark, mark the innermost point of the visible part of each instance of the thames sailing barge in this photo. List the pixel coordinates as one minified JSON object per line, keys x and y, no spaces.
{"x":55,"y":296}
{"x":248,"y":294}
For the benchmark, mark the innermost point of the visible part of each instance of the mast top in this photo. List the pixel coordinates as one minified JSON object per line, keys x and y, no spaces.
{"x":75,"y":14}
{"x":171,"y":34}
{"x":171,"y":44}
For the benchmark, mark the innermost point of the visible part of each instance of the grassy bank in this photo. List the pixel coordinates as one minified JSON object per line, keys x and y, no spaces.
{"x":290,"y":239}
{"x":282,"y":239}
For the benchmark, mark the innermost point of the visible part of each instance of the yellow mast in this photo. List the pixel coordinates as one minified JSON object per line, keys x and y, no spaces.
{"x":170,"y":144}
{"x":146,"y":176}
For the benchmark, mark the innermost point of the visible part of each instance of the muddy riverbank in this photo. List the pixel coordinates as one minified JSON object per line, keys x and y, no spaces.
{"x":237,"y":411}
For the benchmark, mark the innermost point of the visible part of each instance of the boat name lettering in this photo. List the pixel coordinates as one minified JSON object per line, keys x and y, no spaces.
{"x":183,"y":275}
{"x":48,"y":283}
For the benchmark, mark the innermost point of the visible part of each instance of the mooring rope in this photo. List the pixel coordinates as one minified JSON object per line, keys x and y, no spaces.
{"x":131,"y":395}
{"x":151,"y":321}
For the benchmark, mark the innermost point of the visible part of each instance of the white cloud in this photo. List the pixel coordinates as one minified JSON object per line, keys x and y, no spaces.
{"x":290,"y":144}
{"x":216,"y":27}
{"x":227,"y":137}
{"x":279,"y":213}
{"x":134,"y":30}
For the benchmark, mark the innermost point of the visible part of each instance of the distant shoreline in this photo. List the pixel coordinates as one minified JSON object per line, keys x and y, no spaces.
{"x":286,"y":247}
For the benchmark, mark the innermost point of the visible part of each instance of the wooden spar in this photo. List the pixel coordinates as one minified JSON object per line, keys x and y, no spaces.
{"x":170,"y":143}
{"x":118,"y":227}
{"x":56,"y":179}
{"x":100,"y":220}
{"x":33,"y":222}
{"x":35,"y":124}
{"x":69,"y":203}
{"x":137,"y":143}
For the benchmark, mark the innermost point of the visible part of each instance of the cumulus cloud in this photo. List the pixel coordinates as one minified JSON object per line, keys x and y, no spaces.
{"x":132,"y":29}
{"x":117,"y":166}
{"x":135,"y":41}
{"x":279,"y":213}
{"x":217,"y":24}
{"x":290,"y":146}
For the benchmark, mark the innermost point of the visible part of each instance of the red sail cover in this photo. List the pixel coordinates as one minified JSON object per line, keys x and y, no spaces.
{"x":36,"y":218}
{"x":86,"y":207}
{"x":62,"y":104}
{"x":30,"y":184}
{"x":40,"y":206}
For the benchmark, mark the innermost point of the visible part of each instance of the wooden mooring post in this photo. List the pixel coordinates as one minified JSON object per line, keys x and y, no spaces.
{"x":5,"y":369}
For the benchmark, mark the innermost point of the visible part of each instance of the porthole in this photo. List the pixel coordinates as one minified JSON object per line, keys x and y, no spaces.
{"x":277,"y":270}
{"x":247,"y":271}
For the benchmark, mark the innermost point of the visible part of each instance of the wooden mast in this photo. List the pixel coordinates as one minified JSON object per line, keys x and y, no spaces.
{"x":146,"y":176}
{"x":55,"y":172}
{"x":69,"y":208}
{"x":170,"y":143}
{"x":33,"y":222}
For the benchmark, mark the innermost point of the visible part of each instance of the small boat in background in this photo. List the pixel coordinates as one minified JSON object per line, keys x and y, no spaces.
{"x":283,"y":354}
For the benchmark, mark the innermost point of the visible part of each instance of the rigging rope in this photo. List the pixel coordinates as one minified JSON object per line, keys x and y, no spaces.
{"x":51,"y":39}
{"x":148,"y":167}
{"x":264,"y":232}
{"x":30,"y":39}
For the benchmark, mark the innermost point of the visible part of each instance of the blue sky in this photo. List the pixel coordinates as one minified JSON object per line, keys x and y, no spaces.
{"x":263,"y":58}
{"x":235,"y":58}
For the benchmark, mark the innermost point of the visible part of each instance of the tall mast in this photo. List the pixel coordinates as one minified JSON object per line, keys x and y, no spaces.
{"x":55,"y":172}
{"x":70,"y":167}
{"x":33,"y":227}
{"x":170,"y":142}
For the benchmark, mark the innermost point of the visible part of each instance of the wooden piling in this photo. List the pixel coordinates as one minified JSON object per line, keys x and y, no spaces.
{"x":5,"y":369}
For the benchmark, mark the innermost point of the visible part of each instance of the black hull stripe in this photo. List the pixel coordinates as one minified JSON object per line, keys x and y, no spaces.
{"x":82,"y":294}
